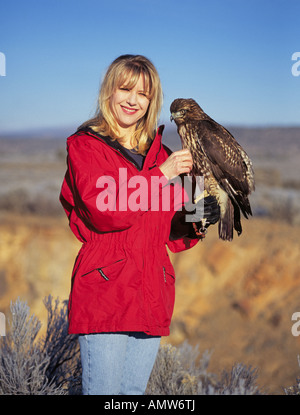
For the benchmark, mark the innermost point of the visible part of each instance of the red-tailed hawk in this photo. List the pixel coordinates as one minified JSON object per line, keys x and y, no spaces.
{"x":219,"y":158}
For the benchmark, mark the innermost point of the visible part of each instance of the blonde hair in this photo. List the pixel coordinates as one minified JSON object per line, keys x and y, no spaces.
{"x":126,"y":69}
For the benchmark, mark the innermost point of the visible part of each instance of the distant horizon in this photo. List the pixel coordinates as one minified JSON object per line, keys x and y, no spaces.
{"x":55,"y":131}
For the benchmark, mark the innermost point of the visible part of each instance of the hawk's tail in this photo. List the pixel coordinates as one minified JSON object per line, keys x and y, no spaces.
{"x":237,"y":219}
{"x":226,"y":222}
{"x":230,"y":220}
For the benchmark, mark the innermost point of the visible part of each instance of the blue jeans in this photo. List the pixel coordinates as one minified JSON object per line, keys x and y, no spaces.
{"x":117,"y":363}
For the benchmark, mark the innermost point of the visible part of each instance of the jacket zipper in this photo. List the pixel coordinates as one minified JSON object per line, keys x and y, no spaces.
{"x":101,"y":272}
{"x":165,"y":277}
{"x":164,"y":270}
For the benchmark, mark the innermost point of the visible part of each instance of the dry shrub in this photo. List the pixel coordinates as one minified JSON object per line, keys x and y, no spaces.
{"x":32,"y":366}
{"x":295,"y":389}
{"x":51,"y":365}
{"x":176,"y":372}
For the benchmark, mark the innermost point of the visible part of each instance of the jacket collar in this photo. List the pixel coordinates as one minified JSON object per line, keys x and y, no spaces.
{"x":152,"y":152}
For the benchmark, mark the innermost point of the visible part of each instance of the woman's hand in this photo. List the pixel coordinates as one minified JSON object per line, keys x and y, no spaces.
{"x":177,"y":163}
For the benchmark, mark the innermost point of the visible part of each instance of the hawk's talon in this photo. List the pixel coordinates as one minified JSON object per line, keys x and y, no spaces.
{"x":199,"y":232}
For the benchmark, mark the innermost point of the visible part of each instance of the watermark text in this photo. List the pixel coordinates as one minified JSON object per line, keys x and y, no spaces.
{"x":2,"y":64}
{"x":296,"y":326}
{"x":2,"y":325}
{"x":136,"y":193}
{"x":296,"y":65}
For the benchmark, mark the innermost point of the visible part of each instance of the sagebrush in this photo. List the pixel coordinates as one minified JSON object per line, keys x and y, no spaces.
{"x":46,"y":366}
{"x":50,"y":364}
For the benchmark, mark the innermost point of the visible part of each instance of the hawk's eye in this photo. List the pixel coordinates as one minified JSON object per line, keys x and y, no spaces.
{"x":182,"y":112}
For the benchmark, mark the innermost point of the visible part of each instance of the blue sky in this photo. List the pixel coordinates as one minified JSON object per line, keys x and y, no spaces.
{"x":232,"y":56}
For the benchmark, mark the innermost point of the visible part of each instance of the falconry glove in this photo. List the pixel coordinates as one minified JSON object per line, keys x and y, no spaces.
{"x":207,"y":209}
{"x":207,"y":213}
{"x":194,"y":224}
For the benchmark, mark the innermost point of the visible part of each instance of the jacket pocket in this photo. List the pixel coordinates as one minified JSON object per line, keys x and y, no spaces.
{"x":169,"y":275}
{"x":106,"y":272}
{"x":167,"y":293}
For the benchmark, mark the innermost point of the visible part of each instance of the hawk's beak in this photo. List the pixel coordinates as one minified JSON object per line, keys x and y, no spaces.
{"x":175,"y":115}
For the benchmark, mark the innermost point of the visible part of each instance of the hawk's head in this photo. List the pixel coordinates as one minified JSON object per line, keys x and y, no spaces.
{"x":184,"y":110}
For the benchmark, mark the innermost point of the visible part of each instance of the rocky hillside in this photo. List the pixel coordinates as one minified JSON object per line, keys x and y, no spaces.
{"x":235,"y":299}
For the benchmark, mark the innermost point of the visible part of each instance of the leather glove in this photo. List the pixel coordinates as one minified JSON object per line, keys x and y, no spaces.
{"x":207,"y":213}
{"x":188,"y":224}
{"x":207,"y":209}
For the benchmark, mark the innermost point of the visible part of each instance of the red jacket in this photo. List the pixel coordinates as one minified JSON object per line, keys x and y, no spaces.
{"x":122,"y":279}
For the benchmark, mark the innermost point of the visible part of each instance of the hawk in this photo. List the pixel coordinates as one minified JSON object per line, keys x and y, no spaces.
{"x":220,"y":159}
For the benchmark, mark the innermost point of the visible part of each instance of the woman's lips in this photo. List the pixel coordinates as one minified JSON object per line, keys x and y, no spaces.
{"x":128,"y":111}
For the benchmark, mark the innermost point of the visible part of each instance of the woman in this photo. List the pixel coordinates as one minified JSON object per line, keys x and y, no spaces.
{"x":122,"y":293}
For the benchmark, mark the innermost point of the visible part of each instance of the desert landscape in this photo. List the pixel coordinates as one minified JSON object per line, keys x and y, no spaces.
{"x":235,"y":299}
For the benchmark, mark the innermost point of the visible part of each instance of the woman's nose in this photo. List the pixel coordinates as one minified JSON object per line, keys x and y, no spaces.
{"x":132,"y":98}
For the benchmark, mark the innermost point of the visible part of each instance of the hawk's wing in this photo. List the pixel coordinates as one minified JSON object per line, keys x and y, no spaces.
{"x":229,"y":163}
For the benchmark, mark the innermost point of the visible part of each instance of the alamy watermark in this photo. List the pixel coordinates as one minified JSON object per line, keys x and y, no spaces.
{"x":2,"y":64}
{"x":296,"y":326}
{"x":2,"y":324}
{"x":296,"y":65}
{"x":157,"y":194}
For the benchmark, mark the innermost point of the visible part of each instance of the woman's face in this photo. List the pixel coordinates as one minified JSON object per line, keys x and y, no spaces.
{"x":129,"y":105}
